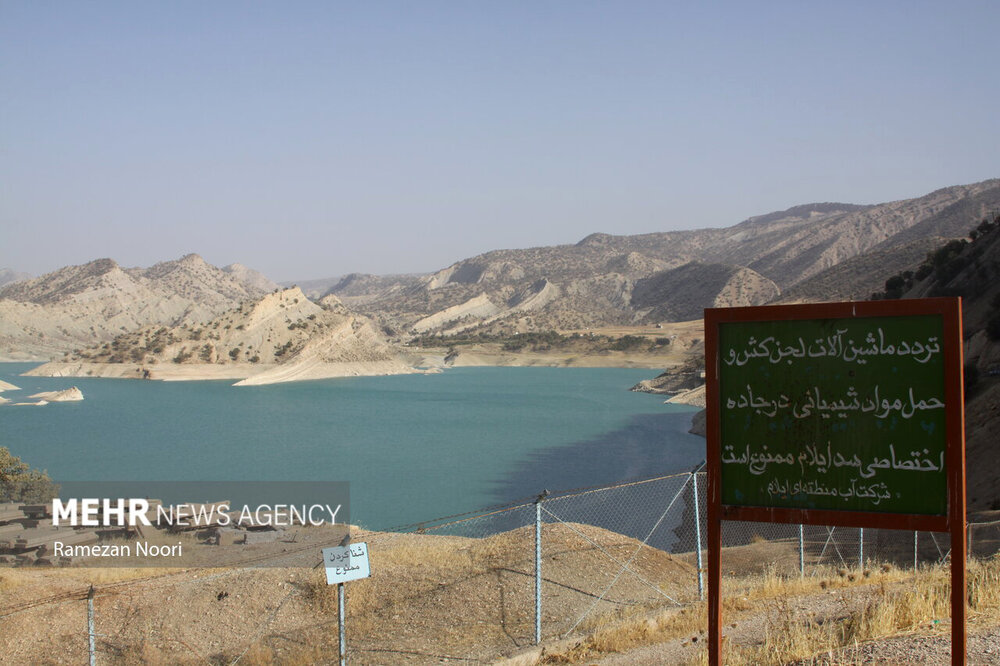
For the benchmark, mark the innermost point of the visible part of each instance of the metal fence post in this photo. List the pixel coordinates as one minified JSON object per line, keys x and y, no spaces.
{"x":343,"y":632}
{"x":861,"y":547}
{"x":802,"y":552}
{"x":915,"y":537}
{"x":90,"y":626}
{"x":538,"y":566}
{"x":697,"y":529}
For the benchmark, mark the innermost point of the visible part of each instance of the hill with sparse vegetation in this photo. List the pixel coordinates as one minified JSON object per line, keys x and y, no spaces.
{"x":78,"y":306}
{"x":280,"y":337}
{"x":825,"y":250}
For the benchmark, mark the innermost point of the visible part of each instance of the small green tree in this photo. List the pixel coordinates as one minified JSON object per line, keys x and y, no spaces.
{"x":20,"y":483}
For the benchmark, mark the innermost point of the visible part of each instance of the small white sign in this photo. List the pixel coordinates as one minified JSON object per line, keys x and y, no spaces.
{"x":346,"y":563}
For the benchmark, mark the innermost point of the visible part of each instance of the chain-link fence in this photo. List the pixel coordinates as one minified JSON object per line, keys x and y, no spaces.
{"x":470,"y":588}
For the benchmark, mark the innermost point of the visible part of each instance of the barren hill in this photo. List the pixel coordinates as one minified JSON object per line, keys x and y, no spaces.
{"x":78,"y":306}
{"x":620,"y":280}
{"x":281,"y":337}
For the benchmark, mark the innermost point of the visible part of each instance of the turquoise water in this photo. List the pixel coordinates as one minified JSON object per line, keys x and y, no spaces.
{"x":413,"y":447}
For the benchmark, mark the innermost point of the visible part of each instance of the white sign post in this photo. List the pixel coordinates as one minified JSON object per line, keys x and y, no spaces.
{"x":343,"y":564}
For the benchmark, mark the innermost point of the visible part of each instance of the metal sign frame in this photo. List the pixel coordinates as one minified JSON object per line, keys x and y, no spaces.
{"x":953,"y":521}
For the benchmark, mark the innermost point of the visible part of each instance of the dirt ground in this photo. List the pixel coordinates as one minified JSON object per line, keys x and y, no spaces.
{"x":431,"y":599}
{"x":929,"y":645}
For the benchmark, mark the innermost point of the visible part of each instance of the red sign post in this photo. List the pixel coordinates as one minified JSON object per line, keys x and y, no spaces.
{"x":838,"y":414}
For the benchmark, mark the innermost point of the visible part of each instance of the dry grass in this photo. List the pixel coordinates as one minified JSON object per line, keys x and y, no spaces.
{"x":772,"y":583}
{"x":13,"y":578}
{"x":662,"y":627}
{"x":873,"y":603}
{"x":9,"y":579}
{"x":463,"y":594}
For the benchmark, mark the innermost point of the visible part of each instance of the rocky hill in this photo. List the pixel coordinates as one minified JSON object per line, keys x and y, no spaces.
{"x":78,"y":306}
{"x":623,"y":280}
{"x":280,"y":337}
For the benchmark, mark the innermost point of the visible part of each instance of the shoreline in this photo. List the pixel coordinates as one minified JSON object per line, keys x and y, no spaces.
{"x":266,"y":374}
{"x":436,"y":358}
{"x":243,"y":375}
{"x":412,"y":361}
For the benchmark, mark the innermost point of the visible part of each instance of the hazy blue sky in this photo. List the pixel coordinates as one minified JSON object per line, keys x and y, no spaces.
{"x":314,"y":139}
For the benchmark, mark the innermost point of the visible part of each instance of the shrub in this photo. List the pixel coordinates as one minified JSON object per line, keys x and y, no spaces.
{"x":20,"y":483}
{"x":628,"y":342}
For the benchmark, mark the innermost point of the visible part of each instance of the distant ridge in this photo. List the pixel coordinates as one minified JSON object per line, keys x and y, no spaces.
{"x":8,"y":275}
{"x":817,"y":251}
{"x":250,"y":278}
{"x":605,"y":279}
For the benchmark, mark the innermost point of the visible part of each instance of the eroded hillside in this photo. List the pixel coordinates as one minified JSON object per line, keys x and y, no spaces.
{"x":79,"y":306}
{"x":280,"y":337}
{"x":607,"y":280}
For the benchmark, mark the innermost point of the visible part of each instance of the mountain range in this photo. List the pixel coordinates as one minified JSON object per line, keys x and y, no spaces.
{"x":825,"y":251}
{"x":822,"y":251}
{"x":8,"y":275}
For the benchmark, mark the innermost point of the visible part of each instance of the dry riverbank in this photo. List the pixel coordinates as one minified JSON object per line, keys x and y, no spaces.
{"x":244,"y":373}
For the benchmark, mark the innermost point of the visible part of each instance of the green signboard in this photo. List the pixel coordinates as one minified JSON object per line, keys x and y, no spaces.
{"x":834,"y":414}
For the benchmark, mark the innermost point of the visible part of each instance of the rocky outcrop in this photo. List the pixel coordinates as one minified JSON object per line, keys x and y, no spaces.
{"x":677,"y":380}
{"x":477,"y":308}
{"x":72,"y":394}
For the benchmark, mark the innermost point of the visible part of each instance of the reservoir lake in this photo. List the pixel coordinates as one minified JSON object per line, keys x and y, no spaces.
{"x":412,"y":447}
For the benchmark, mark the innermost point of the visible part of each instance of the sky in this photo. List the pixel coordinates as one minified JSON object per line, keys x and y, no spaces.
{"x":314,"y":139}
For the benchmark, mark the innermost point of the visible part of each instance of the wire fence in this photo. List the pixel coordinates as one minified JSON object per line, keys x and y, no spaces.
{"x":464,"y":589}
